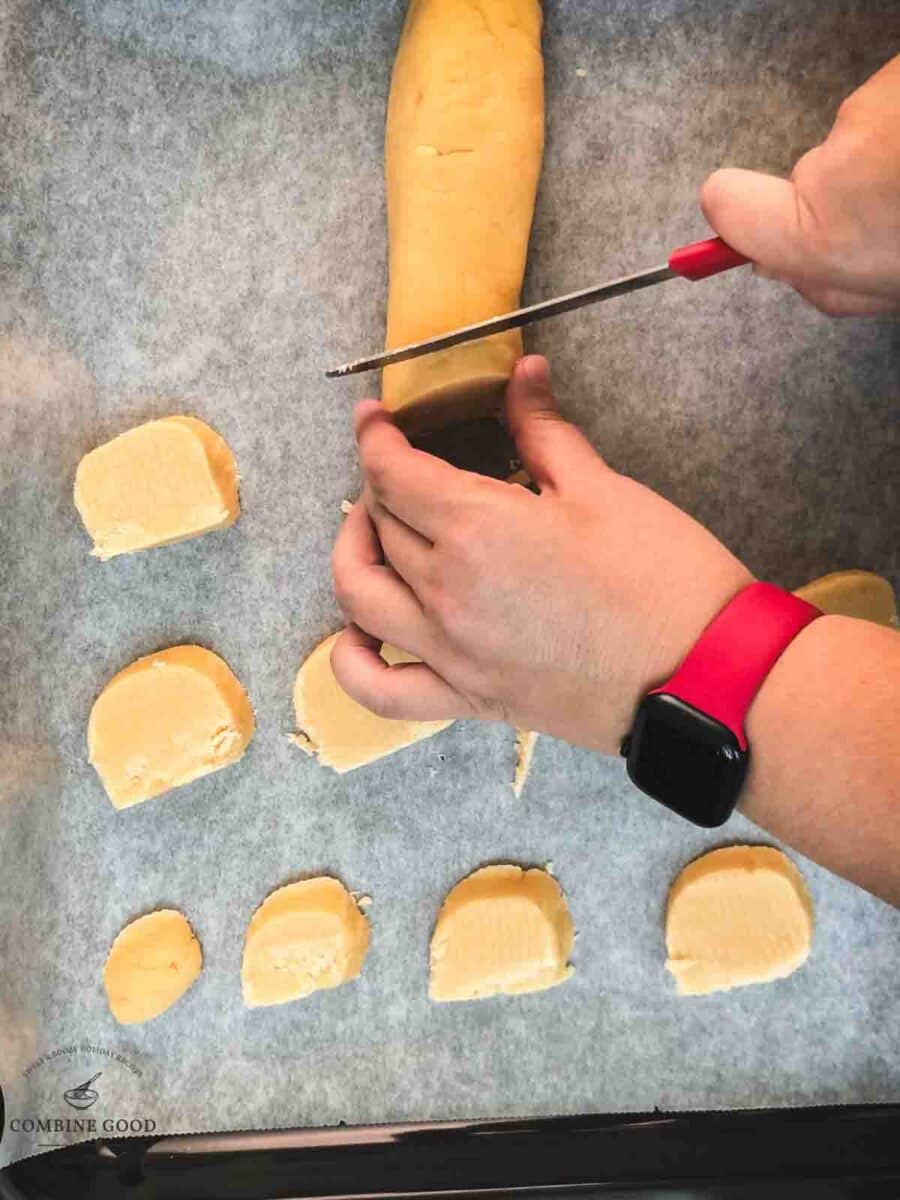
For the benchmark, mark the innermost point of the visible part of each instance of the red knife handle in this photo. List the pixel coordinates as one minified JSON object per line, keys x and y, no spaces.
{"x":700,"y":259}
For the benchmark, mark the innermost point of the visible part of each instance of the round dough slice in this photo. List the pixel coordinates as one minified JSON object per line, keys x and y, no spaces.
{"x":165,"y":720}
{"x":159,"y":483}
{"x":853,"y":594}
{"x":339,"y":732}
{"x":151,"y":964}
{"x":502,"y":930}
{"x":736,"y":916}
{"x":303,"y":938}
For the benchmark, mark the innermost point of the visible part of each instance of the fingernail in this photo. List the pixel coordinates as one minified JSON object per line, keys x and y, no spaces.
{"x":537,"y":370}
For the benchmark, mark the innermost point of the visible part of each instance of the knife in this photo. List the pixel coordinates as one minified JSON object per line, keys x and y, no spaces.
{"x":695,"y":261}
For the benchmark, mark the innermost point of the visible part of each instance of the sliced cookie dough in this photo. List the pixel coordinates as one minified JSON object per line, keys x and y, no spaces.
{"x":860,"y":594}
{"x":502,"y":930}
{"x":737,"y":916}
{"x":165,"y":720}
{"x":151,"y":964}
{"x":159,"y":483}
{"x":303,"y":938}
{"x":339,"y":732}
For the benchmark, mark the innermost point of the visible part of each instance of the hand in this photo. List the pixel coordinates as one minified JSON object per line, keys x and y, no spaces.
{"x":555,"y":612}
{"x":833,"y":230}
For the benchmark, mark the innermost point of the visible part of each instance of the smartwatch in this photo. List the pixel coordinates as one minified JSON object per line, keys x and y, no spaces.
{"x":688,"y":746}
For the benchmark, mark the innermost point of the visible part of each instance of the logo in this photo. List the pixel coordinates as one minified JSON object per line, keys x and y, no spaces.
{"x":48,"y":1128}
{"x":84,"y":1096}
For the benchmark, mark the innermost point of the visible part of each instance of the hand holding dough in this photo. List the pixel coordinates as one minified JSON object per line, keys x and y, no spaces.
{"x":161,"y":482}
{"x":303,"y":938}
{"x":501,"y":930}
{"x":338,"y":731}
{"x":736,"y":916}
{"x":165,"y":720}
{"x":151,"y":964}
{"x":463,"y":145}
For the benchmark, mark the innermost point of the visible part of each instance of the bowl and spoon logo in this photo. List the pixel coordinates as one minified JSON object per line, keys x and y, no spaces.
{"x":54,"y":1130}
{"x":84,"y":1095}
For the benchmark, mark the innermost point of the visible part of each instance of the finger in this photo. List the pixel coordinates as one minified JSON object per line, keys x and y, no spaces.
{"x":370,"y":593}
{"x":760,"y":216}
{"x":407,"y":551}
{"x":876,"y":98}
{"x":416,"y":487}
{"x":552,"y":451}
{"x":381,"y":603}
{"x":837,"y":303}
{"x":357,"y":542}
{"x":404,"y":692}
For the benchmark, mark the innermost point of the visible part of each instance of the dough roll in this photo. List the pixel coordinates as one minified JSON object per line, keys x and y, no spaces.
{"x":463,"y":146}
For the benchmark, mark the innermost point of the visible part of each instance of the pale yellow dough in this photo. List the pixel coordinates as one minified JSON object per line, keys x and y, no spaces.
{"x":853,"y":594}
{"x":338,"y":731}
{"x":502,"y":930}
{"x":151,"y":964}
{"x":737,"y":916}
{"x":463,"y":146}
{"x":303,"y":938}
{"x":165,"y":720}
{"x":161,"y":482}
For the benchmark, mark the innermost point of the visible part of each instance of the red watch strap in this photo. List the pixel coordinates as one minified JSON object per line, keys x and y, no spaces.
{"x":736,"y":651}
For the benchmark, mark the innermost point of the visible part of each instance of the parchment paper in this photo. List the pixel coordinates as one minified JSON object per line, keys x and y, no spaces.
{"x":191,"y":220}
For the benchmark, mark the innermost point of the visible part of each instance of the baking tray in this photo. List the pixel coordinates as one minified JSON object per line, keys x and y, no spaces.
{"x":194,"y":221}
{"x":806,"y":1154}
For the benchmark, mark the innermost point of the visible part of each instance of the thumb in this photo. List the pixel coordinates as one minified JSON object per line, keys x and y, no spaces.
{"x":550,"y":448}
{"x":759,"y":216}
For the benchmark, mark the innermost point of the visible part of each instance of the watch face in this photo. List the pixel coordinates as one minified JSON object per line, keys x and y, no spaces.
{"x":686,"y":760}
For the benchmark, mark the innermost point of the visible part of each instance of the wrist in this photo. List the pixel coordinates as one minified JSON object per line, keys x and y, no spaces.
{"x":825,"y":765}
{"x":782,"y":710}
{"x":689,"y":746}
{"x":679,"y":623}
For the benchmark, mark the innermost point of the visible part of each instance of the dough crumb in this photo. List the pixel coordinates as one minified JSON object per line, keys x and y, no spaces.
{"x":526,"y":740}
{"x":581,"y":72}
{"x":737,"y":916}
{"x":346,"y":507}
{"x":502,"y":930}
{"x":165,"y":720}
{"x":151,"y":964}
{"x":300,"y":739}
{"x":339,"y":732}
{"x":304,"y":938}
{"x":159,"y":483}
